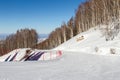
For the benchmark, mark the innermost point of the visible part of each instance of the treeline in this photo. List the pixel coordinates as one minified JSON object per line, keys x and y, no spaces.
{"x":89,"y":14}
{"x":24,"y":38}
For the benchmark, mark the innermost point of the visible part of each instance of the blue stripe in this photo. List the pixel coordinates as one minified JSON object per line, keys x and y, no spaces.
{"x":36,"y":57}
{"x":7,"y":58}
{"x":29,"y":56}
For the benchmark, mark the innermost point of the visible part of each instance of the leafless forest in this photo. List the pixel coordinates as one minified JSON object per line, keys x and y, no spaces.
{"x":89,"y":14}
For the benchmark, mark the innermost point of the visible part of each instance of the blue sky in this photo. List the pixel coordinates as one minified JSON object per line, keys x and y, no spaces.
{"x":42,"y":15}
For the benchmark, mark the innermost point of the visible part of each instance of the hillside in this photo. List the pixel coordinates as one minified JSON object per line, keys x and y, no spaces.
{"x":92,"y":41}
{"x":89,"y":14}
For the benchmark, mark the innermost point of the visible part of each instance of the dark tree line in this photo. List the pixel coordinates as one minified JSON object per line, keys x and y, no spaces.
{"x":24,"y":38}
{"x":89,"y":14}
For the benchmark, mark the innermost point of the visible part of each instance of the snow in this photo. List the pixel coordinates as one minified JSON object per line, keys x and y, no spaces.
{"x":86,"y":56}
{"x":93,"y":39}
{"x":72,"y":66}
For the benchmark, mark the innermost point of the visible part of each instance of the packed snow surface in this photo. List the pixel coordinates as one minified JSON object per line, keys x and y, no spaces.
{"x":72,"y":66}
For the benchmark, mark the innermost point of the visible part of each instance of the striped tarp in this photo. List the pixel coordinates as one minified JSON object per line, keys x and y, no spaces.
{"x":13,"y":57}
{"x":7,"y":58}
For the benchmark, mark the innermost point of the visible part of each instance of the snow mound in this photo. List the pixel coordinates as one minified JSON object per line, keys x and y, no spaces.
{"x":27,"y":54}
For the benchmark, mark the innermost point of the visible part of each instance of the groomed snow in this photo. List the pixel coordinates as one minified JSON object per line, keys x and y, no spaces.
{"x":72,"y":66}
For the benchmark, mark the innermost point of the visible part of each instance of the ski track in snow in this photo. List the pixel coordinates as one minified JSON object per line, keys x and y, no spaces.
{"x":72,"y":66}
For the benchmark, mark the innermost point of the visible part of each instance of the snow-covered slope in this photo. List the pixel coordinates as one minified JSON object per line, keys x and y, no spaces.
{"x":72,"y":66}
{"x":93,"y":42}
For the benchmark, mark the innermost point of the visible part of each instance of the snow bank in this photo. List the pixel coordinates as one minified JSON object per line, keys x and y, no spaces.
{"x":31,"y":55}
